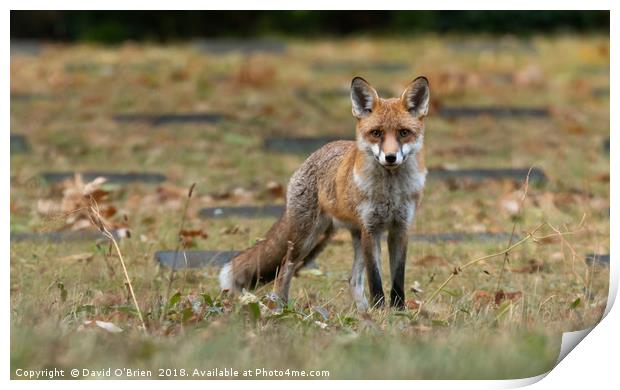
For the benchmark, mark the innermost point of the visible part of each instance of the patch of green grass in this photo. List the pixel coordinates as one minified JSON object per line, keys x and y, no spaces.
{"x":463,"y":333}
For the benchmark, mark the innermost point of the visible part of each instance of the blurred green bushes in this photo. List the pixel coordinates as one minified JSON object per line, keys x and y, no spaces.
{"x":117,"y":26}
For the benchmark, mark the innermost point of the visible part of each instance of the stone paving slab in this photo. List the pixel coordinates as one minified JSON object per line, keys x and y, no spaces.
{"x":25,"y":47}
{"x":297,"y":145}
{"x":62,"y":236}
{"x":595,"y":258}
{"x":194,"y":259}
{"x":457,"y":237}
{"x":601,"y":92}
{"x":29,"y":96}
{"x":314,"y":98}
{"x":19,"y":144}
{"x":168,"y":119}
{"x":351,"y":66}
{"x":494,"y":46}
{"x":452,"y":112}
{"x":537,"y":175}
{"x":201,"y":259}
{"x":112,"y":177}
{"x":271,"y":210}
{"x":244,"y":46}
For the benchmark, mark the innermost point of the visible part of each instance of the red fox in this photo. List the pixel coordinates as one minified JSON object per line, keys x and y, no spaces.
{"x":369,"y":186}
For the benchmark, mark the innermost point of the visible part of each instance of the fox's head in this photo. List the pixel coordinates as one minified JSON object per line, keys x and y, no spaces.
{"x":391,"y":130}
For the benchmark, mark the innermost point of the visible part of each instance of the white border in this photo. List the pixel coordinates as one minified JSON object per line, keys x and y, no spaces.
{"x":593,"y":363}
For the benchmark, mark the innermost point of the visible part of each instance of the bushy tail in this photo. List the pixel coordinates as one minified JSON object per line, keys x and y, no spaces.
{"x":259,"y":263}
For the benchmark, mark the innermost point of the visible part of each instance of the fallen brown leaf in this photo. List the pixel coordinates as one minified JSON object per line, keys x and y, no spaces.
{"x":430,"y":260}
{"x":511,"y":296}
{"x":77,"y":258}
{"x":533,"y":266}
{"x":413,"y":304}
{"x":187,"y":236}
{"x":275,"y":189}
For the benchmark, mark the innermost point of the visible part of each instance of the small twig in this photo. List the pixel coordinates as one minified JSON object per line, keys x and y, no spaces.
{"x":514,"y":227}
{"x":570,"y":247}
{"x":105,"y":256}
{"x":179,"y":241}
{"x":97,"y":220}
{"x":458,"y":269}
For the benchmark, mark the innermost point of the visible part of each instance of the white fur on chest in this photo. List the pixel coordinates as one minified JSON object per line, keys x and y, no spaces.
{"x":388,"y":194}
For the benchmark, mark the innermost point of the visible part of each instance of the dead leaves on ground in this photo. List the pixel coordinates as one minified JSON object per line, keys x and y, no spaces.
{"x":501,"y":295}
{"x":272,"y":190}
{"x":431,"y":260}
{"x":484,"y":298}
{"x":456,"y":80}
{"x":533,"y":266}
{"x":73,"y":209}
{"x":188,"y":236}
{"x":71,"y":212}
{"x":77,"y":258}
{"x":255,"y":72}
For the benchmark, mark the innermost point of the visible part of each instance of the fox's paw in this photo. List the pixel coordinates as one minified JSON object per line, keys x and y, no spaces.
{"x":362,"y":305}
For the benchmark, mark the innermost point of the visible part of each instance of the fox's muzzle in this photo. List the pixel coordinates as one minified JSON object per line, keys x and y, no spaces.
{"x":390,"y":160}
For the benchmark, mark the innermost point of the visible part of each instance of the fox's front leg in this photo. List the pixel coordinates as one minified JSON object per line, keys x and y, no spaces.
{"x":371,"y":251}
{"x":397,"y":246}
{"x":356,"y":283}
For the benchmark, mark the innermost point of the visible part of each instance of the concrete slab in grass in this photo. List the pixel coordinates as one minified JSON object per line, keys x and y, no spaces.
{"x":316,"y":99}
{"x":601,"y":92}
{"x":25,"y":47}
{"x":19,"y":144}
{"x":270,"y":210}
{"x":494,"y":46}
{"x":297,"y":145}
{"x":112,"y":177}
{"x":594,"y":70}
{"x":352,"y":66}
{"x":537,"y":175}
{"x":29,"y":97}
{"x":458,"y":236}
{"x":452,"y":112}
{"x":194,"y":259}
{"x":244,"y":46}
{"x":168,"y":119}
{"x":598,"y":259}
{"x":201,"y":259}
{"x":62,"y":236}
{"x":342,"y":93}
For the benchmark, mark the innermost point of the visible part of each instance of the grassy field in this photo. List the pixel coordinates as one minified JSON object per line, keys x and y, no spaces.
{"x":64,"y":100}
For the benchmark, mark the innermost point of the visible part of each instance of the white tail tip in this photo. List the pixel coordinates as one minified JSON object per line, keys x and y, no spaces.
{"x":226,"y":277}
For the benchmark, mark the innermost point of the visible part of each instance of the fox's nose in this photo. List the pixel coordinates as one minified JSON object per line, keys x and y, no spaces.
{"x":390,"y":158}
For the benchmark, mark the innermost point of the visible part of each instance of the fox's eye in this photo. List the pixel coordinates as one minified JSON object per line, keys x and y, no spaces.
{"x":404,"y":132}
{"x":376,"y":133}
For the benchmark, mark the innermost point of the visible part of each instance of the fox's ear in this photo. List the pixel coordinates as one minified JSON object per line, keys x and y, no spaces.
{"x":363,"y":96}
{"x":416,"y":97}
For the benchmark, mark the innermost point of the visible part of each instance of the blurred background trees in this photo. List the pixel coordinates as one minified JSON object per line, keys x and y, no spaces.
{"x":165,"y":26}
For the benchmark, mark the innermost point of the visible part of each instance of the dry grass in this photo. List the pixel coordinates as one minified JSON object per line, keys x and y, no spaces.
{"x":500,"y":316}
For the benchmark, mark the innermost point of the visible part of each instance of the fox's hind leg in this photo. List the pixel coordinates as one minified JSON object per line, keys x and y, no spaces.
{"x":358,"y":275}
{"x":302,"y":245}
{"x":318,"y":248}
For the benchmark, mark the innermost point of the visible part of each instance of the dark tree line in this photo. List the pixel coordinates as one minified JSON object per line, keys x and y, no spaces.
{"x":117,"y":26}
